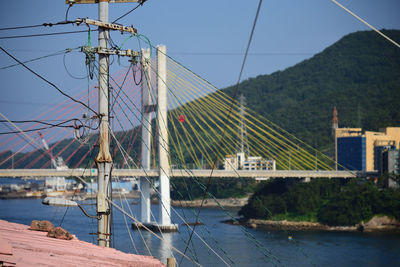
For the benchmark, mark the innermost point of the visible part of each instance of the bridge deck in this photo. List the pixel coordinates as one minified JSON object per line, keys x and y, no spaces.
{"x":177,"y":173}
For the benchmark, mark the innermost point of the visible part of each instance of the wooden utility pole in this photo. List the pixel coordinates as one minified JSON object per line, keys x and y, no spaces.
{"x":103,"y":158}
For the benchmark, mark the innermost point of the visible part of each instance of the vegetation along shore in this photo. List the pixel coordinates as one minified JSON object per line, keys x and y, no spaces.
{"x":288,"y":204}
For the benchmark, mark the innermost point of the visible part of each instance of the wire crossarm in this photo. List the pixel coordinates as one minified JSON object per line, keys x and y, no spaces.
{"x":106,"y":25}
{"x":106,"y":51}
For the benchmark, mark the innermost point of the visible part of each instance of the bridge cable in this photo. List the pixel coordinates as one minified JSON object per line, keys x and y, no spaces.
{"x":157,"y":191}
{"x":47,"y":81}
{"x":235,"y":94}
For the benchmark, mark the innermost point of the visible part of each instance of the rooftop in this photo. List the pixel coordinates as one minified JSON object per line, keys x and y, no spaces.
{"x":20,"y":246}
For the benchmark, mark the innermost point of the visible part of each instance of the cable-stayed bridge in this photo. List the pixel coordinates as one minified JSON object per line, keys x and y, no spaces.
{"x":203,"y":126}
{"x":132,"y":173}
{"x":165,"y":121}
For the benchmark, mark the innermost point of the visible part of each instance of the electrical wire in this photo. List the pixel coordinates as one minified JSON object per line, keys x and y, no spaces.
{"x":41,"y":34}
{"x":163,"y":206}
{"x":47,"y":81}
{"x":240,"y":54}
{"x":157,"y":191}
{"x":21,"y":27}
{"x":66,"y":13}
{"x":134,"y":71}
{"x":117,"y":140}
{"x":30,"y":130}
{"x":127,"y":13}
{"x":223,"y":133}
{"x":59,"y":125}
{"x":65,"y":51}
{"x":24,"y":135}
{"x":38,"y":25}
{"x":53,"y":110}
{"x":120,"y":88}
{"x":69,"y":73}
{"x":41,"y":122}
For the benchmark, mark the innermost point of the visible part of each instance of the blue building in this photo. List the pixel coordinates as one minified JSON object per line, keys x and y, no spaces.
{"x":351,"y":153}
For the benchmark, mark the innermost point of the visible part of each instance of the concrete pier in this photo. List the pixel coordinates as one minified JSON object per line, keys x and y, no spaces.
{"x":155,"y":227}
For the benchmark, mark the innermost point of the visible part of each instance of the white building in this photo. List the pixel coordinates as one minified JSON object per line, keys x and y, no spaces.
{"x":240,"y":162}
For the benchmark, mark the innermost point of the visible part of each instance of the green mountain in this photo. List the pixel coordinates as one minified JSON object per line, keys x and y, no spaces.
{"x":359,"y":74}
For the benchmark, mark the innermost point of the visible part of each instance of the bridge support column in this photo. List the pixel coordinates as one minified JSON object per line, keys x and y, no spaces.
{"x":163,"y":149}
{"x":147,"y":103}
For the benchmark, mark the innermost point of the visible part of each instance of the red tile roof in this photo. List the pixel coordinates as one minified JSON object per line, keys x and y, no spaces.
{"x":22,"y":247}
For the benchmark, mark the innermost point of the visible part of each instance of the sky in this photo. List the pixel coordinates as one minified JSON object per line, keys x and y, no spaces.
{"x":208,"y":37}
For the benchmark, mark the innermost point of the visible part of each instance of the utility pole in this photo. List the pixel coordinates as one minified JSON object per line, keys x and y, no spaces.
{"x":103,"y":158}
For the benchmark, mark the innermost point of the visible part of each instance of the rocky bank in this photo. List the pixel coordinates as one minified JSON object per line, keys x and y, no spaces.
{"x":230,"y":203}
{"x":376,"y":224}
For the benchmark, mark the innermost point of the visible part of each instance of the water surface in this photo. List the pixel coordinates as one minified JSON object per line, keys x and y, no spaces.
{"x":236,"y":245}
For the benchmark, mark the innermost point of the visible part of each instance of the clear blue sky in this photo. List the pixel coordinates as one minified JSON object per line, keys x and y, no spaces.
{"x":209,"y":37}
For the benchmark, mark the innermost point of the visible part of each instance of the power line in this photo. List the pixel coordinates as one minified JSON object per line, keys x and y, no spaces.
{"x":66,"y":13}
{"x":40,"y":122}
{"x":133,"y":9}
{"x":68,"y":72}
{"x":33,"y":130}
{"x":41,"y":34}
{"x":240,"y":54}
{"x":68,"y":50}
{"x":49,"y":125}
{"x":24,"y":135}
{"x":21,"y":27}
{"x":229,"y":113}
{"x":37,"y":25}
{"x":52,"y":84}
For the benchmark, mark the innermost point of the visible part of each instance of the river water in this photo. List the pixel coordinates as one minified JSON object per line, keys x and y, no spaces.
{"x":220,"y":244}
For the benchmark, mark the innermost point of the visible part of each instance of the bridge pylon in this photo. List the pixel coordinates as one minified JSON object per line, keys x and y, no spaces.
{"x":161,"y":108}
{"x":147,"y":104}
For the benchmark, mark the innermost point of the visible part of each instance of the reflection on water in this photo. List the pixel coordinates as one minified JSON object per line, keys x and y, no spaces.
{"x":165,"y":250}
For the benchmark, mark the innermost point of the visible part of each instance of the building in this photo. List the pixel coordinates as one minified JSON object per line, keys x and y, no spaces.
{"x":358,"y":150}
{"x":390,"y":161}
{"x":351,"y":149}
{"x":239,"y":161}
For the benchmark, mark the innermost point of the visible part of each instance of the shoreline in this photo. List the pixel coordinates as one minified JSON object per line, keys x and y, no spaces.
{"x":64,"y":194}
{"x":228,"y":203}
{"x":375,"y":225}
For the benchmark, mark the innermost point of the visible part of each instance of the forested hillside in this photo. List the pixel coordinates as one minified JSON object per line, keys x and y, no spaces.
{"x":359,"y":74}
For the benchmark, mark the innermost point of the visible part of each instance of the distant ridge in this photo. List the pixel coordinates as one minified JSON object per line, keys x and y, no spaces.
{"x":359,"y":74}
